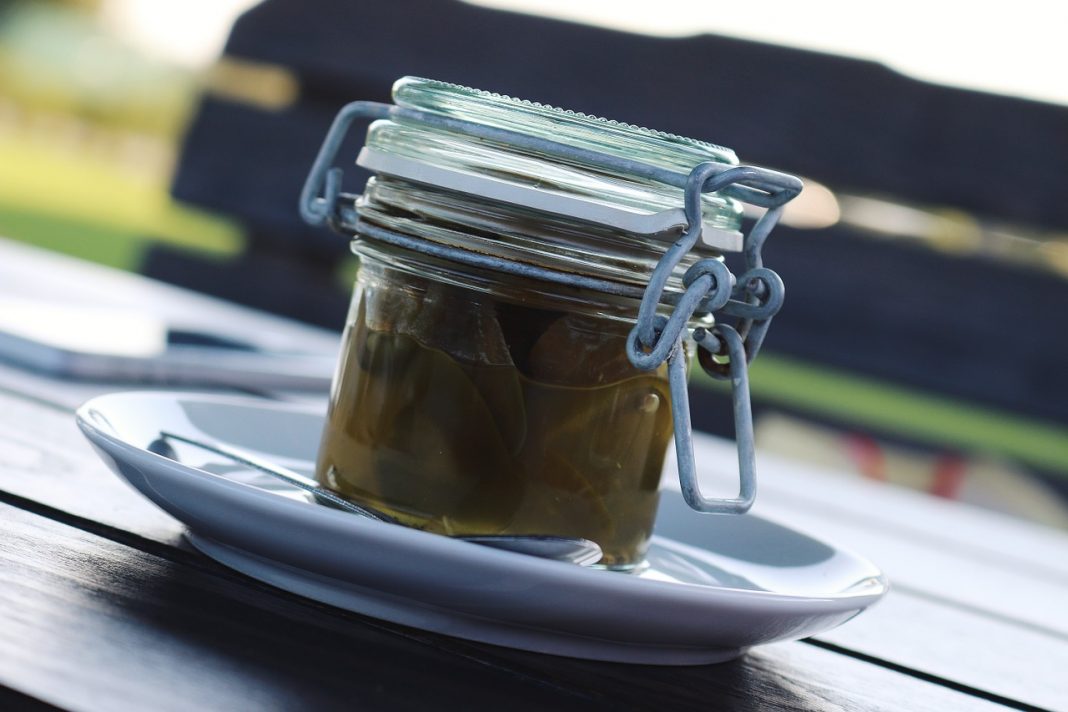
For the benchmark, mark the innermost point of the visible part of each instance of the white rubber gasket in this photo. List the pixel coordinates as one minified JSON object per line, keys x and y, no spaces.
{"x":623,"y":218}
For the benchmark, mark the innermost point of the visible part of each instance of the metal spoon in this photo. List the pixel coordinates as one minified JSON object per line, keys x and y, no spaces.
{"x":573,"y":550}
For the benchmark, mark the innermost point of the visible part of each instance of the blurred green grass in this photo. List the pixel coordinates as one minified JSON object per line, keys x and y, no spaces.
{"x":98,"y":209}
{"x":906,"y":413}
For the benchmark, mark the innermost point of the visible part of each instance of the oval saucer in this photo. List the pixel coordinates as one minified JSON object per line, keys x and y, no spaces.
{"x":714,"y":585}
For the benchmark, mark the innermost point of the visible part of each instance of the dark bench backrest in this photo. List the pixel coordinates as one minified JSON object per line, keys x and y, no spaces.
{"x":965,"y":327}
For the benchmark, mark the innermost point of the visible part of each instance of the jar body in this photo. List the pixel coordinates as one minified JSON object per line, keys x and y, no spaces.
{"x":468,"y":402}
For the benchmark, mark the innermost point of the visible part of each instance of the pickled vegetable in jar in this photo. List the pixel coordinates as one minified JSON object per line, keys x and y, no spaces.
{"x":469,"y":400}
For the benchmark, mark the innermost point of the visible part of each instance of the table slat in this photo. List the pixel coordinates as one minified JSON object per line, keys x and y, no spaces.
{"x":92,"y":624}
{"x":44,"y":459}
{"x":921,"y":544}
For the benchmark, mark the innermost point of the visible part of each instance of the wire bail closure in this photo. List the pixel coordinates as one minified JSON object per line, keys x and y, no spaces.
{"x":724,"y":350}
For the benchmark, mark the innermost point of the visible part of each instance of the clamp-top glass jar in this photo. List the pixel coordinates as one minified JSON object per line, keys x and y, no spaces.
{"x":509,"y":365}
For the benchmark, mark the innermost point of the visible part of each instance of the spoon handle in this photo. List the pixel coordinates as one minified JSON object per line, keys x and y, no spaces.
{"x":577,"y":551}
{"x":284,"y":473}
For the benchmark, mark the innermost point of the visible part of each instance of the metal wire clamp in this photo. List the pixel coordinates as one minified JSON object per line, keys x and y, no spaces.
{"x":724,"y":351}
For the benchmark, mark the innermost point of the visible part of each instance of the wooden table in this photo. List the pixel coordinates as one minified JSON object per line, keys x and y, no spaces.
{"x":103,"y":606}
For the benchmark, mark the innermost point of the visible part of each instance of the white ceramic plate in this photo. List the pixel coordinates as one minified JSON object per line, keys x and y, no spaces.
{"x":715,"y":586}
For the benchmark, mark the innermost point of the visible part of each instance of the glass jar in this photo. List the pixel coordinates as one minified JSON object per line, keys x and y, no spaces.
{"x":471,"y":400}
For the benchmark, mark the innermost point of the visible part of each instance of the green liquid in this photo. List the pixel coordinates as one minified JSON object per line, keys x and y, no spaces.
{"x":459,"y":446}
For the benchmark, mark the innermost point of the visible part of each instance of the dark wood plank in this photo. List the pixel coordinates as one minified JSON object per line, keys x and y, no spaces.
{"x":13,"y":700}
{"x":89,"y":623}
{"x":855,"y":125}
{"x":44,"y":457}
{"x":46,"y":461}
{"x":845,"y":121}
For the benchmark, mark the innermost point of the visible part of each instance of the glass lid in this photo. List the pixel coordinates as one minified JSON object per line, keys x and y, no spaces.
{"x":435,"y":155}
{"x":574,"y":128}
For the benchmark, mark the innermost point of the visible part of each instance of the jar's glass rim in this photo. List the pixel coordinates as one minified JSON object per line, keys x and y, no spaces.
{"x":650,"y":146}
{"x":531,"y":206}
{"x":626,"y":199}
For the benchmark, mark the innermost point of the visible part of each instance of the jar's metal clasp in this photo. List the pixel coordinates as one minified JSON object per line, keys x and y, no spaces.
{"x":724,"y":351}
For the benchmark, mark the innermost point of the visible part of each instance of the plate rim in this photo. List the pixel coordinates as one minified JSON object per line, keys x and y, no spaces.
{"x":429,"y":544}
{"x":340,"y":519}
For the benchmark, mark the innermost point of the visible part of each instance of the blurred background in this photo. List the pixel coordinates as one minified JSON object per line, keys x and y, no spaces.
{"x":923,"y":340}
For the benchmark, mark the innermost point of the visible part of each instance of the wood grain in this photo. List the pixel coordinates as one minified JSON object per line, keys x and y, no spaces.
{"x":938,"y":549}
{"x":92,"y":624}
{"x":44,"y":459}
{"x":962,"y":646}
{"x":977,"y":605}
{"x":959,"y":529}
